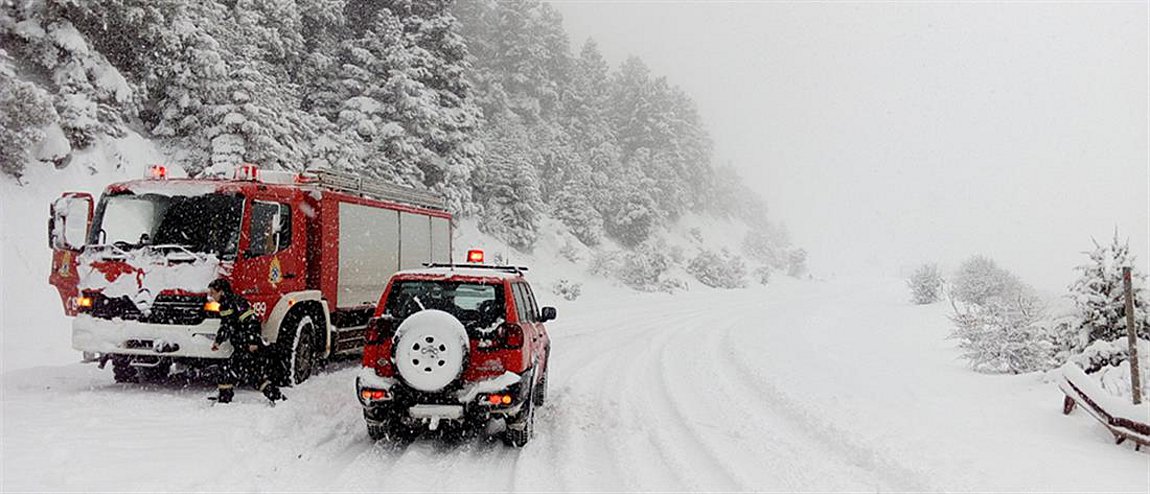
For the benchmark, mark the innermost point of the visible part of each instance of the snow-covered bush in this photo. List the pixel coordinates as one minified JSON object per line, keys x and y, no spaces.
{"x":762,"y":275}
{"x":719,"y":270}
{"x":797,"y":263}
{"x":570,"y":252}
{"x":925,"y":285}
{"x":999,"y":322}
{"x":643,"y":269}
{"x":769,"y":244}
{"x":1100,"y":294}
{"x":1004,"y":335}
{"x":979,"y":280}
{"x":1109,"y":362}
{"x":1108,"y":353}
{"x":24,"y":110}
{"x":567,"y":289}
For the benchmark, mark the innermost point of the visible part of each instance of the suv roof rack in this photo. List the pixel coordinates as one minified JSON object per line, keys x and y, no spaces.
{"x":505,"y":269}
{"x":375,"y":189}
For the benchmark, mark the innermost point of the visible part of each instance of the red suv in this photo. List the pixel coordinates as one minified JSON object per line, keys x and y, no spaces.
{"x":455,"y":346}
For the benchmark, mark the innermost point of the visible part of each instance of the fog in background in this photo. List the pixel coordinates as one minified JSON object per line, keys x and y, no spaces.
{"x":890,"y":134}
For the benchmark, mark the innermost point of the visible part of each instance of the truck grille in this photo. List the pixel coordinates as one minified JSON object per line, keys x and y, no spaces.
{"x":166,"y":309}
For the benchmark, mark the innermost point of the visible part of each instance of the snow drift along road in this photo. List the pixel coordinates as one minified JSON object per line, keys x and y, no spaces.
{"x":837,"y":385}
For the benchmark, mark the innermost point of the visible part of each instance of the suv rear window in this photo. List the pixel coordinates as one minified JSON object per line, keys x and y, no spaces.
{"x":476,"y":305}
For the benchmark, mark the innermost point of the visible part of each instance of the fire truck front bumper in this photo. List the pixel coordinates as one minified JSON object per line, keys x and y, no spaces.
{"x":120,"y":337}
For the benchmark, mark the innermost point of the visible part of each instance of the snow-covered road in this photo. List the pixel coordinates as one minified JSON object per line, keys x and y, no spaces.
{"x":801,"y":386}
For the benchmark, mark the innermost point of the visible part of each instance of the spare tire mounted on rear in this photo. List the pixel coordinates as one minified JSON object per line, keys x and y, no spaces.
{"x":430,"y":350}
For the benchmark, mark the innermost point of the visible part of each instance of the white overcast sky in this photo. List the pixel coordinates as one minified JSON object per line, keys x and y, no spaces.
{"x":886,"y":134}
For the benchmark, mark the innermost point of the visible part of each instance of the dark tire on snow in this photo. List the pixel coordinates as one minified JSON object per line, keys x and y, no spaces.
{"x":154,"y":374}
{"x":122,"y":370}
{"x":377,"y":432}
{"x":521,"y":428}
{"x":297,"y":347}
{"x":541,"y":389}
{"x":392,"y":432}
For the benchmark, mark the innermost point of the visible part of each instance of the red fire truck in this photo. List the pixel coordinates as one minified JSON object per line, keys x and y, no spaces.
{"x":312,"y":251}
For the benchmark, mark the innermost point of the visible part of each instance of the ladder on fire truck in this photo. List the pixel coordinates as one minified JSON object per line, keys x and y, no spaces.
{"x":374,"y":189}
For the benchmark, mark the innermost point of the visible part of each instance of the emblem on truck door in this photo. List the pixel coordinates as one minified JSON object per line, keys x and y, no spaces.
{"x":275,"y":271}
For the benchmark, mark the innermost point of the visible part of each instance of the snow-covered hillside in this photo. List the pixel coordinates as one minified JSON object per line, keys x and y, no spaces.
{"x":799,"y":386}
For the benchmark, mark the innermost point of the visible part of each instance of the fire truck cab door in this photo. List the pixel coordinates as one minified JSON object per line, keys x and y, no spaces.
{"x":69,"y":219}
{"x":272,"y":257}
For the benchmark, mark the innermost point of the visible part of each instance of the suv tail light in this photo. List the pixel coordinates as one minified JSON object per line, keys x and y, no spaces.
{"x":379,"y":329}
{"x":511,"y":335}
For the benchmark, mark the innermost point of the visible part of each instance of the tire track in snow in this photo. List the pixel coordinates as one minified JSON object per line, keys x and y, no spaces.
{"x":677,"y":441}
{"x":839,"y":442}
{"x":604,"y":379}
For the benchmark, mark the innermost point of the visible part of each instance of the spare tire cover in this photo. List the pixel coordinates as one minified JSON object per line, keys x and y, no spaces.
{"x":430,"y":349}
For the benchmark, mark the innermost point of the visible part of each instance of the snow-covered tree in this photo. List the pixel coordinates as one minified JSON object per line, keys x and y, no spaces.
{"x":718,"y":269}
{"x":1100,"y":296}
{"x":507,"y":189}
{"x":1004,"y":336}
{"x":999,"y":321}
{"x":980,"y":280}
{"x":24,"y":110}
{"x":925,"y":284}
{"x":797,"y":263}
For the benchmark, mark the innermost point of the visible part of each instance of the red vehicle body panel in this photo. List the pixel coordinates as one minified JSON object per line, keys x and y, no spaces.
{"x":484,"y":363}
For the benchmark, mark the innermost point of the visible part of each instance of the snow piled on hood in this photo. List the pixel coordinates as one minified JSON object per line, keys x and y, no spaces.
{"x":148,"y":272}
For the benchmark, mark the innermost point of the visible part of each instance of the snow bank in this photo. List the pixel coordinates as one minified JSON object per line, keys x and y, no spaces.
{"x":33,"y":328}
{"x":1116,"y":411}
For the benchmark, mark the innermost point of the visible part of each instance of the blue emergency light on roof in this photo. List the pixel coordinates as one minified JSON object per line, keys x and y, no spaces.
{"x":158,"y":172}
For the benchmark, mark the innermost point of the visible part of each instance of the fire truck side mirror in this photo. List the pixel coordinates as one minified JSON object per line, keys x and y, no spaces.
{"x":69,"y":220}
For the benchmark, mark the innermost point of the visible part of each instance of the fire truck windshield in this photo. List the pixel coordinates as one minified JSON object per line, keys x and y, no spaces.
{"x":207,"y":223}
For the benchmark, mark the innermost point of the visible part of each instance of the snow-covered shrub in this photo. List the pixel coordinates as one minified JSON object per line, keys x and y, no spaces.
{"x":1004,"y":335}
{"x":925,"y":285}
{"x":1100,"y":294}
{"x":24,"y":110}
{"x":719,"y":270}
{"x":1108,"y":353}
{"x":696,"y":234}
{"x":567,"y":289}
{"x":762,"y":274}
{"x":979,"y":280}
{"x":1109,"y":362}
{"x":797,"y":263}
{"x":769,"y":244}
{"x":999,"y":322}
{"x":642,"y":269}
{"x":570,"y":252}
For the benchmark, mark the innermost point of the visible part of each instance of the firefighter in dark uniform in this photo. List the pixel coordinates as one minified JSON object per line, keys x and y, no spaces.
{"x":250,"y":362}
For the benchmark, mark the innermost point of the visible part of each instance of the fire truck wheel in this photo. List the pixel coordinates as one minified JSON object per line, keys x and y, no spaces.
{"x":154,"y":374}
{"x":299,"y":335}
{"x":123,"y":371}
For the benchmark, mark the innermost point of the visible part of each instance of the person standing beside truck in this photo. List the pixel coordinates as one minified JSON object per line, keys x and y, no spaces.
{"x":250,"y":361}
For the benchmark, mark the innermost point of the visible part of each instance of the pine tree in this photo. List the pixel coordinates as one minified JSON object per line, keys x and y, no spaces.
{"x":506,"y":188}
{"x":1099,"y":294}
{"x":24,"y":110}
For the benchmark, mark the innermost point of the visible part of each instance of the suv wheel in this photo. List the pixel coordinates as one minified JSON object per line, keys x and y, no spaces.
{"x":521,"y":427}
{"x":541,"y":389}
